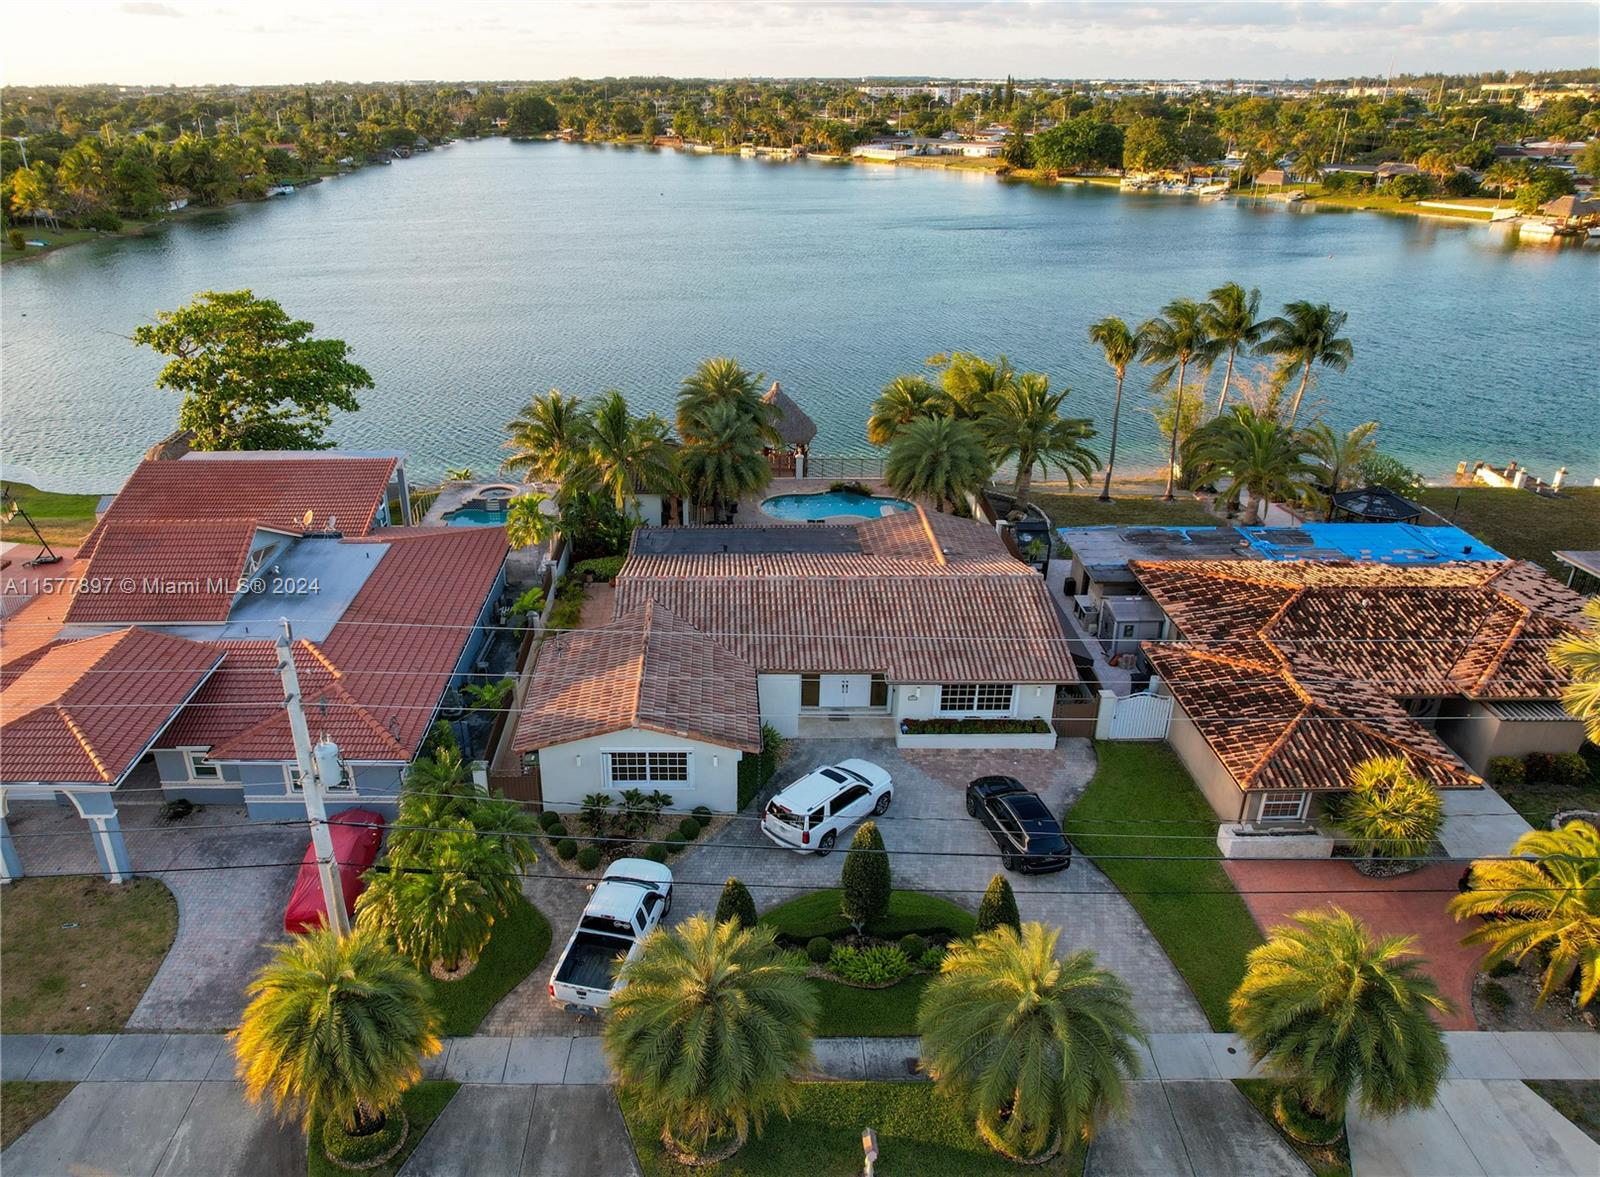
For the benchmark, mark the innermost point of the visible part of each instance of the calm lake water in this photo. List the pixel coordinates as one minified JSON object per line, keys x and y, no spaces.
{"x":469,"y":278}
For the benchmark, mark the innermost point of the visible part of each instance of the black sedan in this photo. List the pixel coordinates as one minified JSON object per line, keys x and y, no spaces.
{"x":1029,"y":837}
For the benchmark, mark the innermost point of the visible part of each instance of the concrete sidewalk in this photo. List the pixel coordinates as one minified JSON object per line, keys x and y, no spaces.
{"x":579,"y":1061}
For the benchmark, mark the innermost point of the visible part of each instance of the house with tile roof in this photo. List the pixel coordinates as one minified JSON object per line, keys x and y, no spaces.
{"x":916,"y":627}
{"x":166,"y":650}
{"x":1285,"y":675}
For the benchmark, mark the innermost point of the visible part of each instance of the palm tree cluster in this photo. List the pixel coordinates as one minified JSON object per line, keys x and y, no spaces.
{"x":946,"y":440}
{"x":1190,"y":336}
{"x":726,"y":428}
{"x":451,"y":869}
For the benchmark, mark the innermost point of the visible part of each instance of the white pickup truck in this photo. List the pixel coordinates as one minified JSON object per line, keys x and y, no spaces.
{"x":633,"y":897}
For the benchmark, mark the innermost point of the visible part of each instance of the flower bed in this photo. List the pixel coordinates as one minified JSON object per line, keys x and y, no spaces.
{"x":588,"y":840}
{"x":974,"y":726}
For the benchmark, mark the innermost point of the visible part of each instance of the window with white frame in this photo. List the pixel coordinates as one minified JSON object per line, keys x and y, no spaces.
{"x":647,"y":768}
{"x":1283,"y":807}
{"x":981,"y":696}
{"x":199,"y":768}
{"x":345,"y":784}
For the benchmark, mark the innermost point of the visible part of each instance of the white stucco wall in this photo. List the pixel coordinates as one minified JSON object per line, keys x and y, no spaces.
{"x":1028,"y":701}
{"x":569,"y":771}
{"x":779,"y":696}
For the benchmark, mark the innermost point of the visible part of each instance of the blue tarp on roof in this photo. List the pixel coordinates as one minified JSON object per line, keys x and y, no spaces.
{"x":1377,"y":543}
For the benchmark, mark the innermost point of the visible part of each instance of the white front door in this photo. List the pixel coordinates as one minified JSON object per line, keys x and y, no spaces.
{"x":844,"y":690}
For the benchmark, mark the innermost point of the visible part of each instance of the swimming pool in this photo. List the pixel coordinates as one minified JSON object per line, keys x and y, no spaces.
{"x":475,"y":517}
{"x":831,"y":504}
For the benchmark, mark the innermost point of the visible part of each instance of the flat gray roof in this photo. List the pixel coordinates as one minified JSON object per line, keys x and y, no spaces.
{"x":809,"y":538}
{"x":1108,"y":549}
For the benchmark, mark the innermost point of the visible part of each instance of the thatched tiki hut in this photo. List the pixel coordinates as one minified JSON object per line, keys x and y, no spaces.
{"x":795,"y":433}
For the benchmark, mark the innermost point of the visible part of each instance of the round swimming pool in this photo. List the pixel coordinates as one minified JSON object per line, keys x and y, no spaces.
{"x":830,"y":504}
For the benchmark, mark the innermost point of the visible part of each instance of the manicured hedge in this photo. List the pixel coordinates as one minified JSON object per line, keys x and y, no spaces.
{"x":973,"y":726}
{"x":603,"y":569}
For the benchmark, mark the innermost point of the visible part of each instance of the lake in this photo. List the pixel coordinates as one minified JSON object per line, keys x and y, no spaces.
{"x":468,"y":278}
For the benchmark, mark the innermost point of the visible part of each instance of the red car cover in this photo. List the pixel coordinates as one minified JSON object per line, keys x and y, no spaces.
{"x":356,"y":836}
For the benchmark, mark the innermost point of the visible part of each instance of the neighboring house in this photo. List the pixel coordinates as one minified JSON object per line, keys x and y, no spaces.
{"x":195,"y":564}
{"x":1286,"y":675}
{"x":816,"y":630}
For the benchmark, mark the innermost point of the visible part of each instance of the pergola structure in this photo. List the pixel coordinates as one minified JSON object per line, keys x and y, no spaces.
{"x":796,"y":431}
{"x":1374,"y":504}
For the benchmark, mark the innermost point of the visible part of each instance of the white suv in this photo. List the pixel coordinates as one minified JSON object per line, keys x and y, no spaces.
{"x":810,"y":814}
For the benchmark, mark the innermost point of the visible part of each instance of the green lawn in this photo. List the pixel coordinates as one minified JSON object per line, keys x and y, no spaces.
{"x":1141,"y":507}
{"x":24,"y":1104}
{"x":1523,"y":525}
{"x":848,"y":1012}
{"x":78,"y":953}
{"x":422,"y":1104}
{"x":920,"y":1134}
{"x":1331,"y":1160}
{"x":1190,"y":906}
{"x":1577,"y":1101}
{"x":1539,"y":803}
{"x":817,"y":914}
{"x":1383,"y":202}
{"x":520,"y":942}
{"x":64,"y":519}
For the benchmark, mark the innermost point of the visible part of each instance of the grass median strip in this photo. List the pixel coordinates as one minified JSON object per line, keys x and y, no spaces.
{"x":849,"y":1012}
{"x":1188,"y":902}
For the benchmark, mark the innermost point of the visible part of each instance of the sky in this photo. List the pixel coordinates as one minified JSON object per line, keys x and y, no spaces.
{"x":189,"y":42}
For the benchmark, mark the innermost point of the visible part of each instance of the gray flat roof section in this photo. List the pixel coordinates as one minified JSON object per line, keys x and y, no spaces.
{"x":812,"y":538}
{"x":1113,"y":546}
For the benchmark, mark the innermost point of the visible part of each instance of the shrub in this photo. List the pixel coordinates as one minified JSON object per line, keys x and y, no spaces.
{"x":913,"y":946}
{"x":566,"y":849}
{"x":819,"y":949}
{"x":1504,"y":968}
{"x":556,"y":830}
{"x":180,"y":808}
{"x":656,"y":852}
{"x":973,"y":726}
{"x":602,"y":569}
{"x":1507,"y":771}
{"x":865,"y":883}
{"x":933,"y":959}
{"x":17,"y":240}
{"x":850,"y":488}
{"x":689,"y":828}
{"x":1541,"y":768}
{"x":736,"y":904}
{"x":589,"y":857}
{"x":1571,"y":771}
{"x":530,"y":604}
{"x":359,"y":1152}
{"x":999,"y":907}
{"x":675,"y":842}
{"x":104,"y":222}
{"x":548,"y":818}
{"x":1497,"y":996}
{"x":702,"y":814}
{"x":882,"y":964}
{"x":595,"y":816}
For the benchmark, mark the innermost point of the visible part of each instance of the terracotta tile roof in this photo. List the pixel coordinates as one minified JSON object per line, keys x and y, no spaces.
{"x":929,"y":599}
{"x":167,"y":571}
{"x":1294,"y":672}
{"x":374,"y":683}
{"x":645,"y":670}
{"x":83,"y":712}
{"x":271,"y":491}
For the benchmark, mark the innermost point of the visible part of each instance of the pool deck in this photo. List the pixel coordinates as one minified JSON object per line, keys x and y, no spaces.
{"x":456,"y":495}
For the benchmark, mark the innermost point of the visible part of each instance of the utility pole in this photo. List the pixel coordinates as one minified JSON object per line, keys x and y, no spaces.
{"x":313,"y":763}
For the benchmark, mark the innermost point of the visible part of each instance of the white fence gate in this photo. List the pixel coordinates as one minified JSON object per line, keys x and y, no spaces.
{"x":1134,"y":717}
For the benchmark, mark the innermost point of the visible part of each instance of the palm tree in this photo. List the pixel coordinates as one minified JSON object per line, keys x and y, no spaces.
{"x":1305,"y":335}
{"x":458,"y":474}
{"x":1176,"y":338}
{"x":1258,"y":456}
{"x":1578,"y":656}
{"x":1039,"y":1048}
{"x":1341,"y":454}
{"x":336,"y":1029}
{"x":1547,"y":895}
{"x":938,"y":458}
{"x":1023,"y":421}
{"x":969,"y":381}
{"x":710,"y":1031}
{"x":1231,"y":320}
{"x":629,"y":453}
{"x":1334,"y":1012}
{"x":527,"y":522}
{"x":549,"y":440}
{"x":1390,"y":811}
{"x":1120,"y":347}
{"x":903,"y":400}
{"x":719,"y":380}
{"x":721,"y":461}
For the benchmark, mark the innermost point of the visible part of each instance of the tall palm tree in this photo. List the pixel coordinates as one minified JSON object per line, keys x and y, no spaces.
{"x":1120,"y":347}
{"x":721,"y":461}
{"x":938,"y":458}
{"x":527,"y":523}
{"x":1390,"y":811}
{"x":1578,"y":656}
{"x":629,"y":453}
{"x":1260,"y":458}
{"x":1038,"y":1047}
{"x":1340,"y":455}
{"x":1231,"y":320}
{"x":1176,"y":338}
{"x":549,"y":440}
{"x":710,"y":1031}
{"x":1547,"y":895}
{"x":719,"y":380}
{"x":903,"y":400}
{"x":337,"y":1028}
{"x":1023,"y":421}
{"x":969,"y":381}
{"x":1335,"y":1012}
{"x":1304,"y":336}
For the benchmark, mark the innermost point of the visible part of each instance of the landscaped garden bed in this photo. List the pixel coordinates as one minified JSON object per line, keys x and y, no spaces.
{"x":1542,"y":787}
{"x":975,"y":732}
{"x":1325,"y":1160}
{"x":634,"y":824}
{"x":420,"y":1106}
{"x":518,"y":945}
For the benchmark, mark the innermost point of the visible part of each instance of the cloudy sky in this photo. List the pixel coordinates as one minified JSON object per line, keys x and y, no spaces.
{"x":263,"y":41}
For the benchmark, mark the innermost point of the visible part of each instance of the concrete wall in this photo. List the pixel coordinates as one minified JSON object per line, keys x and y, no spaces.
{"x":779,"y":696}
{"x":569,"y":771}
{"x":1213,"y":780}
{"x":1477,"y":736}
